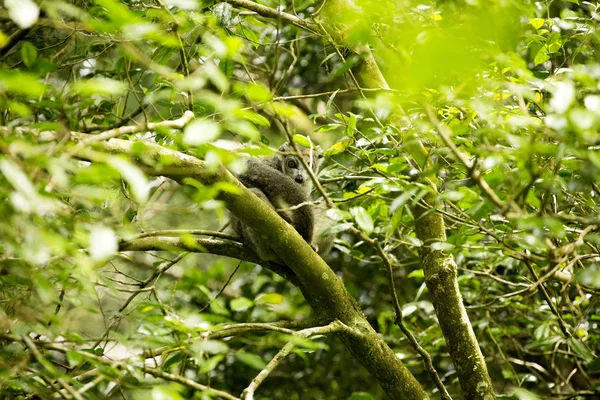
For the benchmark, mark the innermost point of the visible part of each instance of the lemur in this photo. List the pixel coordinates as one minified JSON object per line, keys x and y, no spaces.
{"x":283,"y":183}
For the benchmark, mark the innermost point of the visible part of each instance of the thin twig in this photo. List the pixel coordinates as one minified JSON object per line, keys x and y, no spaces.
{"x":474,"y":173}
{"x":122,"y":365}
{"x":274,"y":13}
{"x":223,"y":287}
{"x":151,"y":126}
{"x":248,"y":393}
{"x":308,"y":169}
{"x":178,"y":232}
{"x":398,"y":311}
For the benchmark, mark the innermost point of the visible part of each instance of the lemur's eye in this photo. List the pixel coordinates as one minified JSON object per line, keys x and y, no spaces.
{"x":291,"y":164}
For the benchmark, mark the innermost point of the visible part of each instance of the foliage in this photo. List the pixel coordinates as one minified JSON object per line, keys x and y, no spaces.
{"x":504,"y":94}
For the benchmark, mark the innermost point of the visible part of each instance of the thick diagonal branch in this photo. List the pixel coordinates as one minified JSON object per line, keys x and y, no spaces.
{"x":321,"y":287}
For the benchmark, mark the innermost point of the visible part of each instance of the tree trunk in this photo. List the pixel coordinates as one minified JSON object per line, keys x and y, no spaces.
{"x":439,"y":268}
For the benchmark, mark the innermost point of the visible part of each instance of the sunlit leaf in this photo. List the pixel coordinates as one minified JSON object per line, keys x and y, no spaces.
{"x":211,"y":364}
{"x":103,"y":243}
{"x":24,"y":13}
{"x":101,"y":87}
{"x":269,"y":298}
{"x":241,"y":304}
{"x":363,"y":219}
{"x":201,"y":131}
{"x":21,"y":83}
{"x":537,"y":22}
{"x":133,"y":176}
{"x":29,"y":54}
{"x":210,"y":347}
{"x":251,"y":360}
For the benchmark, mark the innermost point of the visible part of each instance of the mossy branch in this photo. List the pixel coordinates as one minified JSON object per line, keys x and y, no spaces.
{"x":321,"y":287}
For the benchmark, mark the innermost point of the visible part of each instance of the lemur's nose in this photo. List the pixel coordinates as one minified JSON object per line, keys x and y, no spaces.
{"x":299,"y":179}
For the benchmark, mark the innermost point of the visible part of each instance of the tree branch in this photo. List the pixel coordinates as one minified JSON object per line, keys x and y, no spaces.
{"x":225,"y":248}
{"x":275,"y":14}
{"x":226,"y":331}
{"x":151,"y":126}
{"x":123,"y":365}
{"x":321,"y":287}
{"x":398,"y":311}
{"x":248,"y":393}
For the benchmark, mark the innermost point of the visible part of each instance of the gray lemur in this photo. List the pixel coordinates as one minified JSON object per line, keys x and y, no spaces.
{"x":283,"y":183}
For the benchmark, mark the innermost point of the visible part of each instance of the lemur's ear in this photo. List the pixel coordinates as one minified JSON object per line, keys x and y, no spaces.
{"x":319,"y":152}
{"x":284,"y":147}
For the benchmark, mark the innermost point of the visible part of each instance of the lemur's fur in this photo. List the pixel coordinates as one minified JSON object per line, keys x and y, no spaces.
{"x":282,"y":182}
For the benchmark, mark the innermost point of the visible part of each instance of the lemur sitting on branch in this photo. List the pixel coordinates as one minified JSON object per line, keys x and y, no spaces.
{"x":283,"y":183}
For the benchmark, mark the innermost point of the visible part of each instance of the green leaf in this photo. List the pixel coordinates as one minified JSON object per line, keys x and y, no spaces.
{"x":173,"y":360}
{"x":251,"y":360}
{"x":212,"y":71}
{"x":98,"y":86}
{"x":243,"y":128}
{"x":211,"y":364}
{"x":269,"y":298}
{"x":339,"y":147}
{"x":201,"y":131}
{"x":21,"y":83}
{"x":594,"y":157}
{"x":361,"y":396}
{"x":340,"y":228}
{"x":537,"y":23}
{"x":19,"y":108}
{"x":408,"y":309}
{"x":257,"y":92}
{"x":103,"y":243}
{"x":217,"y":308}
{"x":222,"y":13}
{"x":43,"y":66}
{"x":442,"y":246}
{"x":163,"y":392}
{"x":524,"y":394}
{"x":346,"y":66}
{"x":118,"y":12}
{"x":328,"y":127}
{"x":45,"y":289}
{"x":241,"y":304}
{"x":29,"y":54}
{"x":133,"y":176}
{"x":253,"y":117}
{"x":305,"y":343}
{"x":226,"y":66}
{"x":332,"y":97}
{"x":541,"y":57}
{"x":210,"y":347}
{"x":302,"y":141}
{"x":252,"y":36}
{"x":581,"y":349}
{"x":74,"y":358}
{"x":350,"y":129}
{"x":417,"y":273}
{"x":543,"y":331}
{"x":363,"y":219}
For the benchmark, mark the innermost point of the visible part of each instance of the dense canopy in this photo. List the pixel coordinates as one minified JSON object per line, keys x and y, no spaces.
{"x":462,"y":183}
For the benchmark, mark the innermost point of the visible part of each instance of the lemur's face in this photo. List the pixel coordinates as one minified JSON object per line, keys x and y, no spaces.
{"x":293,"y":167}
